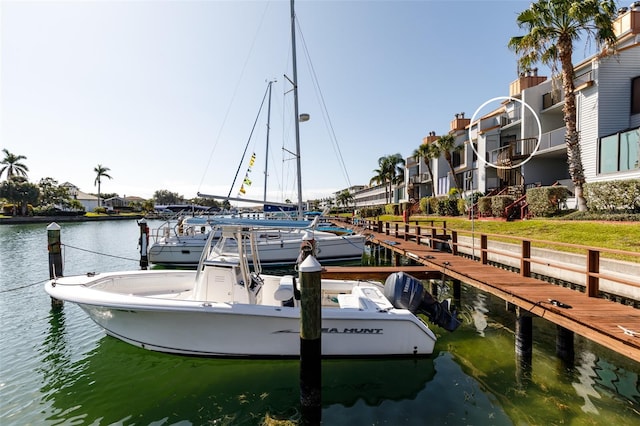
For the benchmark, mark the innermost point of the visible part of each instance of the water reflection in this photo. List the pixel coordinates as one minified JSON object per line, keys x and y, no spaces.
{"x":596,"y":377}
{"x":479,"y":312}
{"x":115,"y":382}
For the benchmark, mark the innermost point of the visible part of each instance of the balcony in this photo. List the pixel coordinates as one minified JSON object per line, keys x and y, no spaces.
{"x":513,"y":153}
{"x":551,"y":98}
{"x":627,"y":23}
{"x":553,"y":139}
{"x":524,"y":82}
{"x":420,"y":178}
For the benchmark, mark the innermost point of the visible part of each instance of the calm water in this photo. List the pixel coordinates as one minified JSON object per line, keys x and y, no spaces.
{"x":60,"y":368}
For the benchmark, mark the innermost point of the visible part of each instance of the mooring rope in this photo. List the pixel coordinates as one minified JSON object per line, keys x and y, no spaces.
{"x":24,"y":286}
{"x":101,"y":254}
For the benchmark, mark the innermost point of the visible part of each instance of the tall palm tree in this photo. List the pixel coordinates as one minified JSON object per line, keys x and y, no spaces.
{"x":390,"y":171}
{"x":552,"y":28}
{"x":428,"y":152}
{"x":447,"y":147}
{"x":344,"y":198}
{"x":101,"y":172}
{"x":12,"y":165}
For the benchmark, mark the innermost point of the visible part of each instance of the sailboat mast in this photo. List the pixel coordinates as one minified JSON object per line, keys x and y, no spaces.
{"x":295,"y":103}
{"x":266,"y":157}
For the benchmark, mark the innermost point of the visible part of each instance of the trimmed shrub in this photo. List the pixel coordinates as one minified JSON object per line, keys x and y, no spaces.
{"x":447,"y":206}
{"x":499,"y":203}
{"x":462,"y":206}
{"x":484,"y":206}
{"x":371,"y":211}
{"x":622,"y":196}
{"x":546,"y":200}
{"x":428,"y":205}
{"x":391,"y":209}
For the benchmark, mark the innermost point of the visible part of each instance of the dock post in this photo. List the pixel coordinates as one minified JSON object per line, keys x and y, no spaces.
{"x":457,"y":292}
{"x":484,"y":258}
{"x":593,"y":268}
{"x":524,"y":345}
{"x":143,"y":243}
{"x":54,"y":247}
{"x":454,"y":243}
{"x":310,"y":341}
{"x":564,"y":345}
{"x":525,"y":261}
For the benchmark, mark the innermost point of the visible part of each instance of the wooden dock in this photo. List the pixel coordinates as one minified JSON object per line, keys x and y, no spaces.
{"x":611,"y":324}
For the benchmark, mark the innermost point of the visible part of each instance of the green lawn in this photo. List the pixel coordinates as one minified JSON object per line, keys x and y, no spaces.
{"x":612,"y":235}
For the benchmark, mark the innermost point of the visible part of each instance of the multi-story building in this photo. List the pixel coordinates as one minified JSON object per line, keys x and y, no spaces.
{"x":521,"y":142}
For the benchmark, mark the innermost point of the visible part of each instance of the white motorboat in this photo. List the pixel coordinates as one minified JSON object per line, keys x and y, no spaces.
{"x":226,"y":309}
{"x":278,"y":243}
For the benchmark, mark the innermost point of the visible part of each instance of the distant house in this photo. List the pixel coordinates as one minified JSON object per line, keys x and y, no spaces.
{"x":119,"y":202}
{"x":88,"y":201}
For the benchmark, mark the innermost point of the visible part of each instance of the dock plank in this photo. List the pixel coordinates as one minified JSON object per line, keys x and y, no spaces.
{"x":596,"y":319}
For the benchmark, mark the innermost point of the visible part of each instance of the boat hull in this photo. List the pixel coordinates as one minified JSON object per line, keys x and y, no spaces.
{"x":272,"y":252}
{"x":157,"y":310}
{"x":233,"y":332}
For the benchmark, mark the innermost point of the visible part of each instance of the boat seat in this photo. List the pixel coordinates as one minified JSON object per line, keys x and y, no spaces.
{"x":372,"y":298}
{"x":349,"y":301}
{"x":284,"y":291}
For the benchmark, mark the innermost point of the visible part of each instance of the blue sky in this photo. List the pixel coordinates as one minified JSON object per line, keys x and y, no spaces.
{"x":165,"y":93}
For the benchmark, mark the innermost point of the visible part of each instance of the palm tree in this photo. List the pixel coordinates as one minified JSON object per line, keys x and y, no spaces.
{"x":552,"y":27}
{"x":428,"y":152}
{"x":11,"y":163}
{"x":390,"y":171}
{"x":344,"y":198}
{"x":101,"y":172}
{"x":447,"y":146}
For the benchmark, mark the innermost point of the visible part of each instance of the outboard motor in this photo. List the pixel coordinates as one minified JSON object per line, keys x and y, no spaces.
{"x":407,"y":292}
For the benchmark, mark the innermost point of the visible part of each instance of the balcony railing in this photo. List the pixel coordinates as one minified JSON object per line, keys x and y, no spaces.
{"x":553,"y":138}
{"x":420,"y":178}
{"x":551,"y":98}
{"x":512,"y":153}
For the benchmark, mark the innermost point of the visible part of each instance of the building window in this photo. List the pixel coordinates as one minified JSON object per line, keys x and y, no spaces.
{"x":456,"y":158}
{"x":635,"y":96}
{"x":620,"y":152}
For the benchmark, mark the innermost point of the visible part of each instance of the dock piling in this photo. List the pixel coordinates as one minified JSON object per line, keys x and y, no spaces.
{"x":310,"y":341}
{"x":54,"y":247}
{"x":143,"y":243}
{"x":524,"y":346}
{"x":564,"y":345}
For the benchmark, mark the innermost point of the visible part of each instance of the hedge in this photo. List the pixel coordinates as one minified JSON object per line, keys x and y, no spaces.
{"x":546,"y":200}
{"x":621,"y":196}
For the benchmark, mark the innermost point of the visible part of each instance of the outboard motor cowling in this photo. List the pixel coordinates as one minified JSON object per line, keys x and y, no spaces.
{"x":407,"y":292}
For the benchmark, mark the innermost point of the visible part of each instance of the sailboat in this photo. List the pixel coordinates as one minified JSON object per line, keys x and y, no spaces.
{"x":278,"y":243}
{"x":180,"y":242}
{"x":227,"y":308}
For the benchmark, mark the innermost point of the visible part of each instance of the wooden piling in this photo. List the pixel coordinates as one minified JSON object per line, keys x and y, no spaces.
{"x":524,"y":346}
{"x":54,"y":247}
{"x":457,"y":292}
{"x":310,"y":341}
{"x":143,"y":243}
{"x":564,"y":345}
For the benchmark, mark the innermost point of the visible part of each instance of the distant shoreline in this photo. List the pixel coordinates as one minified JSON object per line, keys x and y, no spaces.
{"x":21,"y":220}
